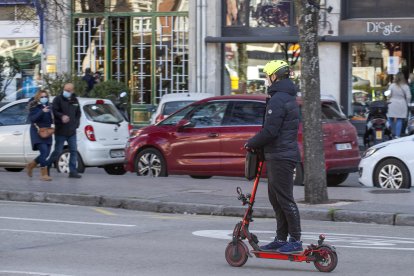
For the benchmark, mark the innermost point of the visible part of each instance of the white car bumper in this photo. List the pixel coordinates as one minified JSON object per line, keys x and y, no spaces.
{"x":366,"y":170}
{"x":99,"y":156}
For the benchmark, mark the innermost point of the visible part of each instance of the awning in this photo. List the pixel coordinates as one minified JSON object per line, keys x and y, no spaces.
{"x":367,"y":38}
{"x":295,"y":39}
{"x":251,"y":39}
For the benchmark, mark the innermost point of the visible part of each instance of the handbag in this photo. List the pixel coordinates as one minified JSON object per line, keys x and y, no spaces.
{"x":45,"y":132}
{"x":251,"y":166}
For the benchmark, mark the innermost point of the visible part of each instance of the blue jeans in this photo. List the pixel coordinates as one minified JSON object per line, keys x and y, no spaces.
{"x":73,"y":150}
{"x":44,"y":150}
{"x":396,"y":126}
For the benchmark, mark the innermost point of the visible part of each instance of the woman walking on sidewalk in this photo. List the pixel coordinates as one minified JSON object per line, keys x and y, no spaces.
{"x":398,"y":107}
{"x":40,"y":115}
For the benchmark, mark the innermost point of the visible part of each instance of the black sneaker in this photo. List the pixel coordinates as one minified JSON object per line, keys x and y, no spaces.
{"x":273,"y":246}
{"x":291,"y":247}
{"x":75,"y":175}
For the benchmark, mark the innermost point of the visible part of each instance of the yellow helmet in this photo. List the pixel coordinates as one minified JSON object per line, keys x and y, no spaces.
{"x":278,"y":67}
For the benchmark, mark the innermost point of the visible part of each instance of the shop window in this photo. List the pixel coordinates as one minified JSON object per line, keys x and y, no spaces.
{"x":258,"y":13}
{"x":373,"y":67}
{"x":168,"y":73}
{"x":378,"y":8}
{"x":131,"y":5}
{"x":172,"y":5}
{"x":148,"y":5}
{"x":26,"y":57}
{"x":244,"y":65}
{"x":89,"y":45}
{"x":88,"y":6}
{"x":7,"y":13}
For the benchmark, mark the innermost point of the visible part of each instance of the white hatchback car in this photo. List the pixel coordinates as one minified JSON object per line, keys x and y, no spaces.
{"x":389,"y":164}
{"x":101,"y":137}
{"x":170,"y":103}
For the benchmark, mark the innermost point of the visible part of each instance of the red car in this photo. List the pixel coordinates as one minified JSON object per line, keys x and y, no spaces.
{"x":206,"y":139}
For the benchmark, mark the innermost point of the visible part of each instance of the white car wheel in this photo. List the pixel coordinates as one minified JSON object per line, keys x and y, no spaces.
{"x":150,"y":162}
{"x":62,"y":164}
{"x":392,"y":174}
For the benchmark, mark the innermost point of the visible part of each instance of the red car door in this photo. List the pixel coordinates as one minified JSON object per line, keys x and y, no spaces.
{"x":195,"y":149}
{"x":243,"y":120}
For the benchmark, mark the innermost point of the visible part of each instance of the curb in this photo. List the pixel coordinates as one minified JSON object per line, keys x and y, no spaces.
{"x":205,"y":209}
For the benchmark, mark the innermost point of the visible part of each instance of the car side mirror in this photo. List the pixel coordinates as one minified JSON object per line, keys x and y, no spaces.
{"x":183,"y":124}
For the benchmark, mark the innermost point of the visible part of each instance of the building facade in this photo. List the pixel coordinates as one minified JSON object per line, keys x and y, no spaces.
{"x":20,"y":43}
{"x":171,"y":46}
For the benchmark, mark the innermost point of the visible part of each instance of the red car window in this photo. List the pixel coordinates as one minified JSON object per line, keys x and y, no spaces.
{"x":209,"y":115}
{"x":245,"y":113}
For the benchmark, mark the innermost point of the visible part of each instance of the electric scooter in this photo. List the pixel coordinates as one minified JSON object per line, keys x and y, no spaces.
{"x":322,"y":255}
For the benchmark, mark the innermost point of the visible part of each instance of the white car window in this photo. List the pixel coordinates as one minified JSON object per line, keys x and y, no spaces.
{"x":103,"y":113}
{"x":171,"y":107}
{"x":14,"y":115}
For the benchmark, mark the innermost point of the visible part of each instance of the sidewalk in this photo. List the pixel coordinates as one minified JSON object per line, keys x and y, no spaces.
{"x":215,"y":196}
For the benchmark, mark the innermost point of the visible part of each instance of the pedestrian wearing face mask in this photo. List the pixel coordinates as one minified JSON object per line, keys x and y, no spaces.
{"x":67,"y":118}
{"x":40,"y":116}
{"x":279,"y":141}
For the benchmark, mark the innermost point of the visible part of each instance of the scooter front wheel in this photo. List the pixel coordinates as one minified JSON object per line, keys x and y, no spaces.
{"x":236,"y":255}
{"x":327,"y":259}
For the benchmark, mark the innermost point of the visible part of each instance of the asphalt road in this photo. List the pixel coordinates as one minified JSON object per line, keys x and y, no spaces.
{"x":46,"y":239}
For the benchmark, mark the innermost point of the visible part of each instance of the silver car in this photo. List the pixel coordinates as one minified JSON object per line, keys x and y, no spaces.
{"x":101,"y":137}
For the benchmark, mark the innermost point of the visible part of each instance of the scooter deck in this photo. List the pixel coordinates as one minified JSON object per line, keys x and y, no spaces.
{"x":299,"y":257}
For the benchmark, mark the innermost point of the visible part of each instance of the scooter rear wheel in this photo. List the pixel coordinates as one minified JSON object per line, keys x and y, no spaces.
{"x":236,"y":255}
{"x":327,"y":260}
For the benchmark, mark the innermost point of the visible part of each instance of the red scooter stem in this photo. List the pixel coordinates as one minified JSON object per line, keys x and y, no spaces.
{"x":253,"y":195}
{"x":256,"y":182}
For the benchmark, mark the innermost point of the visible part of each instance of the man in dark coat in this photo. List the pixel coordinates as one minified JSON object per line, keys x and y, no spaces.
{"x":66,"y":111}
{"x":89,"y":79}
{"x":278,"y":139}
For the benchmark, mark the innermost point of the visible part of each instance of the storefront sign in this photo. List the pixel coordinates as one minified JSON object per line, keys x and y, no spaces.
{"x":380,"y":28}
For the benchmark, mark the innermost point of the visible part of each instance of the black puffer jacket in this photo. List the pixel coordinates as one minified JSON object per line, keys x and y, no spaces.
{"x":279,"y":136}
{"x":69,"y":107}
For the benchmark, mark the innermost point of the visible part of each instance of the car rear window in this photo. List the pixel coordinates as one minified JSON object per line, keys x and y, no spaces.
{"x":103,"y":113}
{"x":171,"y":107}
{"x":330,"y":111}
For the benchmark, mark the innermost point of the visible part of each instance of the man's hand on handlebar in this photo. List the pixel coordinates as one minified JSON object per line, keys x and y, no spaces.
{"x":248,"y":148}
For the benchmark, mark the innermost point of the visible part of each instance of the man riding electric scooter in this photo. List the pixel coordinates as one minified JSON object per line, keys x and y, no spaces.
{"x":278,"y":139}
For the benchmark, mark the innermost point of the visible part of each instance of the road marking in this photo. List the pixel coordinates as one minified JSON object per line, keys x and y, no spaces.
{"x":69,"y":221}
{"x":105,"y":212}
{"x":338,"y":240}
{"x":53,"y":233}
{"x":31,"y":273}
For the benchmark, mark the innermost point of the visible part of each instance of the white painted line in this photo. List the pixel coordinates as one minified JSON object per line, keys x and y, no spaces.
{"x":69,"y":221}
{"x":32,"y":273}
{"x":338,"y":240}
{"x":53,"y":233}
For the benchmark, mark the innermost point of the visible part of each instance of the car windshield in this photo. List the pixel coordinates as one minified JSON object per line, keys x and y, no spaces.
{"x":171,"y":107}
{"x":103,"y":113}
{"x":175,"y":118}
